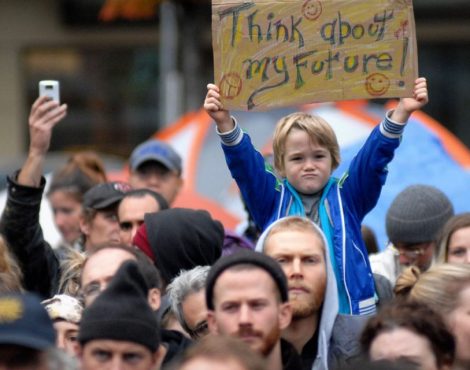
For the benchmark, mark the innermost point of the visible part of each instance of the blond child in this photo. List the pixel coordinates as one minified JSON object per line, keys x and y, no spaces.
{"x":306,"y":152}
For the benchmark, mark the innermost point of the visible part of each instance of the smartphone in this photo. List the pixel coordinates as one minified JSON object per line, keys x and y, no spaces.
{"x":50,"y":88}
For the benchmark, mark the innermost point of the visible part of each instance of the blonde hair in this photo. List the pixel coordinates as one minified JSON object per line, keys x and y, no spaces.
{"x":70,"y":278}
{"x":316,"y":128}
{"x":11,"y":275}
{"x":455,"y":223}
{"x":439,"y":287}
{"x":295,"y":223}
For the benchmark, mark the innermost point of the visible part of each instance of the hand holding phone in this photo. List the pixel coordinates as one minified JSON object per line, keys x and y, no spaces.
{"x":50,"y":88}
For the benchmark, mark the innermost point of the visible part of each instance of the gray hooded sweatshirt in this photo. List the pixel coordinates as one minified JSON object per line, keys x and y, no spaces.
{"x":338,"y":336}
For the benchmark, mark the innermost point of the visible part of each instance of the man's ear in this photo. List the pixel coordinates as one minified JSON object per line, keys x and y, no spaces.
{"x":84,"y":226}
{"x":285,"y":315}
{"x":179,"y":185}
{"x":211,"y":323}
{"x":154,"y":298}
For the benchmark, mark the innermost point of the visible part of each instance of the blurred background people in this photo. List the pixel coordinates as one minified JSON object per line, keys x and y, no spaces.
{"x":180,"y":239}
{"x":99,"y":223}
{"x":409,"y":331}
{"x":119,"y":329}
{"x":219,"y":352}
{"x":99,"y":270}
{"x":155,"y":165}
{"x":19,"y":223}
{"x":132,"y":209}
{"x":65,"y":312}
{"x":446,"y":289}
{"x":187,"y":296}
{"x":69,"y":183}
{"x":27,"y":337}
{"x":454,"y":242}
{"x":11,"y":275}
{"x":413,"y":222}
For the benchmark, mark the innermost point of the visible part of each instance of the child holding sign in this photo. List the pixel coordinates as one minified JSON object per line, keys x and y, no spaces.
{"x":306,"y":152}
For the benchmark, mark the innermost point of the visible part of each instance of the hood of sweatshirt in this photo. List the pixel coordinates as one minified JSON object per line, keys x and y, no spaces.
{"x":330,"y":306}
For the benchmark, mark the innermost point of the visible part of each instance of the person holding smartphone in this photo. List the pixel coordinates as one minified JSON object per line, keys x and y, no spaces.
{"x":19,"y":223}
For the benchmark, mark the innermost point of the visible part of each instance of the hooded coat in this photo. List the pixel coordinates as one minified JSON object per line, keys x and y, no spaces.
{"x":180,"y":239}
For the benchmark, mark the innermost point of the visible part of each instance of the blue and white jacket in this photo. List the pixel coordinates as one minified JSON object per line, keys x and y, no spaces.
{"x":343,"y":205}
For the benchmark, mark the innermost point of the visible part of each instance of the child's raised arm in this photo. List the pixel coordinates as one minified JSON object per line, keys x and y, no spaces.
{"x":215,"y":109}
{"x":407,"y":106}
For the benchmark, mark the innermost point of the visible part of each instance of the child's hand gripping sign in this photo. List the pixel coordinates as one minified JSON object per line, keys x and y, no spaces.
{"x":278,"y":53}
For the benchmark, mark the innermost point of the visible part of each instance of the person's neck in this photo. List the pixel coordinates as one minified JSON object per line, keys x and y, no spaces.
{"x":300,"y":331}
{"x":274,"y":359}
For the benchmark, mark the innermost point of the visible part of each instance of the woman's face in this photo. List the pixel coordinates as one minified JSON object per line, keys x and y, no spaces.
{"x":458,"y":249}
{"x":403,"y":344}
{"x":459,"y":321}
{"x":66,"y":210}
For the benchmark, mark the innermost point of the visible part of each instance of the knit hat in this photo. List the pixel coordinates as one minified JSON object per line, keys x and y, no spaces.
{"x":179,"y":239}
{"x":121,"y":312}
{"x":25,"y":322}
{"x":249,"y":257}
{"x":105,"y":195}
{"x":417,"y":214}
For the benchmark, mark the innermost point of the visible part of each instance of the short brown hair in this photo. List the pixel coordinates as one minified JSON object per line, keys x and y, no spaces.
{"x":419,"y":319}
{"x":294,"y":223}
{"x":222,"y":348}
{"x":317,"y":129}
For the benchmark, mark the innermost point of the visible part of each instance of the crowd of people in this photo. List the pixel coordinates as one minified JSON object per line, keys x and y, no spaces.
{"x":138,"y":284}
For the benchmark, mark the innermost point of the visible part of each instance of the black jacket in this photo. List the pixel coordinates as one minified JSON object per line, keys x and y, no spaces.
{"x":290,"y":358}
{"x":20,"y":227}
{"x":175,"y":343}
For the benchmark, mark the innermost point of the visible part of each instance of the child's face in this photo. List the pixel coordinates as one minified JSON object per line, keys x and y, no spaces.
{"x":307,"y":165}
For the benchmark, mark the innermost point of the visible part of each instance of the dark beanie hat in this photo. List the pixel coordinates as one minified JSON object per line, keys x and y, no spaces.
{"x":121,"y":312}
{"x":180,"y":239}
{"x":417,"y":214}
{"x":249,"y":257}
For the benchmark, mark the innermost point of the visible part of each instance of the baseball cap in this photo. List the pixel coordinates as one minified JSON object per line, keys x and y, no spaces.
{"x":104,"y":195}
{"x":25,"y":322}
{"x":155,"y":150}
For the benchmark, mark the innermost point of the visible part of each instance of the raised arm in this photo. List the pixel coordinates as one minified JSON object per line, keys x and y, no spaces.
{"x":19,"y":223}
{"x":368,"y":170}
{"x":45,"y":114}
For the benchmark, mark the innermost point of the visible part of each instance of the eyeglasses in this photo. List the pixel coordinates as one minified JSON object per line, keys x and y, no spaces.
{"x":90,"y":291}
{"x":199,"y":331}
{"x":411,"y":251}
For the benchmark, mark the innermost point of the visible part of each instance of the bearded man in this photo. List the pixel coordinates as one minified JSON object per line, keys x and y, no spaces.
{"x":322,"y":336}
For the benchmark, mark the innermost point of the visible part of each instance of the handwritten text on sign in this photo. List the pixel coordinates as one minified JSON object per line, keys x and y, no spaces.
{"x":277,"y":53}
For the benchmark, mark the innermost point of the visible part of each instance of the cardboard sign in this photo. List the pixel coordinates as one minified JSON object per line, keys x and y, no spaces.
{"x":277,"y":53}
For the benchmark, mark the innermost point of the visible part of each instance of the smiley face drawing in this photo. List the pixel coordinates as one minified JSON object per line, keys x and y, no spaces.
{"x":312,"y":9}
{"x":377,"y":84}
{"x":230,"y":85}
